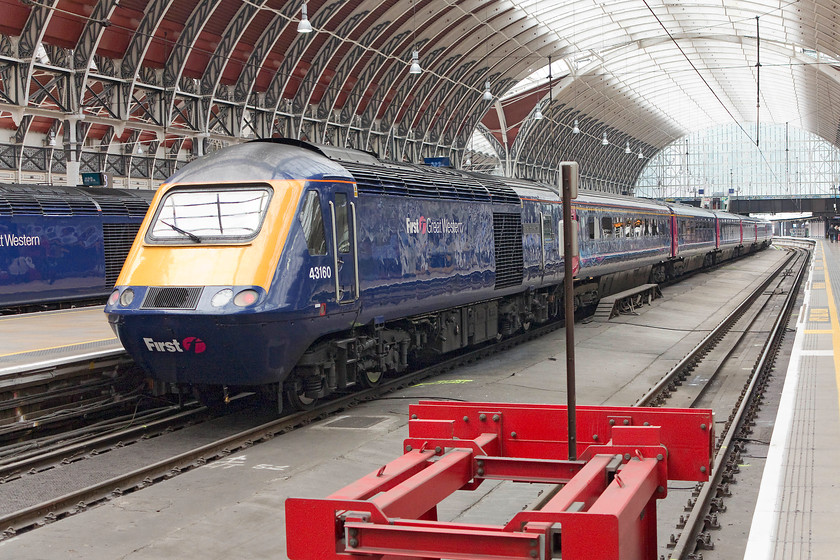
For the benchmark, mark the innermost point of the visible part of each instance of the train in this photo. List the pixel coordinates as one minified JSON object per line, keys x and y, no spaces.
{"x":298,"y":270}
{"x":64,"y":245}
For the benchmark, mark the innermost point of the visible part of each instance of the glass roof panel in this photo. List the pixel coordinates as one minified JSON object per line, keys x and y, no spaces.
{"x":678,"y":66}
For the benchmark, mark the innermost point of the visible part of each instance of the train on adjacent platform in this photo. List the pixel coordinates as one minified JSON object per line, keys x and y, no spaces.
{"x":64,"y":245}
{"x":300,"y":270}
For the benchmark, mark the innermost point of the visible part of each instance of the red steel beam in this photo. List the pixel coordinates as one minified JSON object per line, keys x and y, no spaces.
{"x":385,"y":478}
{"x":422,"y":492}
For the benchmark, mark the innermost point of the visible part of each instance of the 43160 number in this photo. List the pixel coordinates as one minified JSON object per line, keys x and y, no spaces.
{"x":319,"y":272}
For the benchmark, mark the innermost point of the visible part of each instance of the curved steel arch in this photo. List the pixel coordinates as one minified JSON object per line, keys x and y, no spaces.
{"x":345,"y":70}
{"x":293,"y":56}
{"x":85,"y":49}
{"x":262,"y":123}
{"x":319,"y":63}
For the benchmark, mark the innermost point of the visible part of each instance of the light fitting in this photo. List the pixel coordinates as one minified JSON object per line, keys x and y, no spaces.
{"x":415,"y":63}
{"x":487,"y":95}
{"x":303,"y":25}
{"x":575,"y":129}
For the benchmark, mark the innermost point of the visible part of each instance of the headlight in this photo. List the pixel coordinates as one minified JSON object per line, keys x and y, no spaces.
{"x":114,"y":297}
{"x":246,"y":298}
{"x":222,"y":297}
{"x":127,"y":297}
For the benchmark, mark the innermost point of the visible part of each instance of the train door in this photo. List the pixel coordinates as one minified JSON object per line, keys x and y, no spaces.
{"x":675,"y":236}
{"x":344,"y":246}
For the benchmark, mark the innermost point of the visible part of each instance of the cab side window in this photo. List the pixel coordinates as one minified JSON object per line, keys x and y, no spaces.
{"x":313,"y":224}
{"x":342,"y":228}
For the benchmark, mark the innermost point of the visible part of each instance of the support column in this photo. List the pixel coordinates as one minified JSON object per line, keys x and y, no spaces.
{"x":71,"y":151}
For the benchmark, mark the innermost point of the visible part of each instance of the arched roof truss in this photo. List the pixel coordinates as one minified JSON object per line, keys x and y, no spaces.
{"x":137,"y":86}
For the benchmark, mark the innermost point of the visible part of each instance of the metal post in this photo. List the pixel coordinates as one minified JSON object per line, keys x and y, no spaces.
{"x":568,"y":173}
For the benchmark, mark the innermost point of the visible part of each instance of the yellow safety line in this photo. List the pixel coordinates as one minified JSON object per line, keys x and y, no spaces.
{"x":57,"y":347}
{"x":818,"y":332}
{"x":835,"y":325}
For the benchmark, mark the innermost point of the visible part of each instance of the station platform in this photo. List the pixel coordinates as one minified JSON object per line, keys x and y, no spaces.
{"x":31,"y":340}
{"x":799,"y":501}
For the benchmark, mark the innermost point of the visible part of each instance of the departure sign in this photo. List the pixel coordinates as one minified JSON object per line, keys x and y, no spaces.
{"x":437,"y":161}
{"x":96,"y":180}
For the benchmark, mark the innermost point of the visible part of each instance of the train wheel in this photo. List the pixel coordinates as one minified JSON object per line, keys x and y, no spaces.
{"x":371,"y":378}
{"x":296,"y":397}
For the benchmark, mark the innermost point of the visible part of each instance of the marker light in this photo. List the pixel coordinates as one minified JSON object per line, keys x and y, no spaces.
{"x":246,"y":298}
{"x":222,"y":297}
{"x":127,"y":297}
{"x":114,"y":297}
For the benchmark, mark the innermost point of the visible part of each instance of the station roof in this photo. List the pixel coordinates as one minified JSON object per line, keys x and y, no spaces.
{"x":644,"y":72}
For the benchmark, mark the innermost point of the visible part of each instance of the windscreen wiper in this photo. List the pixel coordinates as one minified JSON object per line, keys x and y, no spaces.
{"x":192,"y":236}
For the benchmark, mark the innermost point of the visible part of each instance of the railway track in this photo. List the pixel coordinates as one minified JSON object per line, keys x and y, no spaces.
{"x":53,"y":395}
{"x":33,"y":463}
{"x":79,"y":500}
{"x":709,"y":377}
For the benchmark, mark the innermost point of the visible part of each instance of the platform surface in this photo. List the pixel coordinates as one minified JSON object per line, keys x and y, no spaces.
{"x":799,"y":503}
{"x":234,"y":507}
{"x":33,"y":338}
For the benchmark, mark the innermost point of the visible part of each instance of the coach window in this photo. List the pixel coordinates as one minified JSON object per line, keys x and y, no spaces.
{"x":548,"y":227}
{"x":342,"y":229}
{"x":313,"y":224}
{"x":607,"y":226}
{"x":590,"y":227}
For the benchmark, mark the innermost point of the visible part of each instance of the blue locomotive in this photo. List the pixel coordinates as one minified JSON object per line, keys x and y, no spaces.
{"x":64,"y":244}
{"x":303,"y":270}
